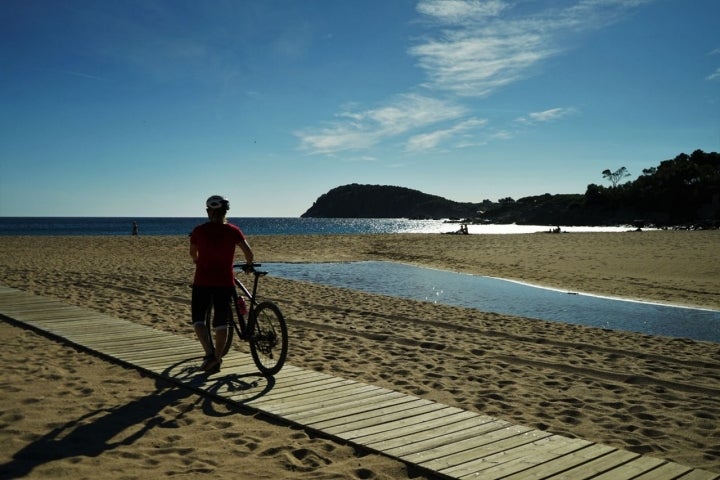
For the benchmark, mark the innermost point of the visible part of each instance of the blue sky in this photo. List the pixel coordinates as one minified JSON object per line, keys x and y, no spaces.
{"x":145,"y":108}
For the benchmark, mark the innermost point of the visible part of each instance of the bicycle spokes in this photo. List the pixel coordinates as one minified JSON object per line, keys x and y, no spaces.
{"x":268,"y":342}
{"x":265,"y":340}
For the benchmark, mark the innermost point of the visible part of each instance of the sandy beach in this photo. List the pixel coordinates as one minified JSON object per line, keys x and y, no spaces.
{"x":65,"y":413}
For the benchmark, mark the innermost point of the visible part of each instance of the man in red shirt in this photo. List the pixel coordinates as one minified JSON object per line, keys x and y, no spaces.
{"x":212,"y":248}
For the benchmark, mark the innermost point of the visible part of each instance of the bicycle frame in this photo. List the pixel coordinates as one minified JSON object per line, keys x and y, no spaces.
{"x":264,"y":328}
{"x":243,"y":329}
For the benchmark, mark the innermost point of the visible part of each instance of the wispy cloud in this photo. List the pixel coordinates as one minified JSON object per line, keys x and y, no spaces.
{"x":483,"y":46}
{"x":459,"y":11}
{"x":78,"y":74}
{"x":549,"y":115}
{"x":429,"y":140}
{"x":355,"y":130}
{"x":716,"y":74}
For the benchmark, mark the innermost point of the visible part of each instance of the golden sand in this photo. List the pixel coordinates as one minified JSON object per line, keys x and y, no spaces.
{"x":67,"y":413}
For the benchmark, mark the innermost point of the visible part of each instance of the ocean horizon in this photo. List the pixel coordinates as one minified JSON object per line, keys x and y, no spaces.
{"x":110,"y":226}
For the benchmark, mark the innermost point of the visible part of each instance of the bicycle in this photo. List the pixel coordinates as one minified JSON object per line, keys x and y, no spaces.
{"x":265,"y":329}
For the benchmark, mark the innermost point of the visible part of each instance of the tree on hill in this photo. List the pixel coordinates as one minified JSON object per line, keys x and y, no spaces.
{"x":615,"y":176}
{"x":685,"y":189}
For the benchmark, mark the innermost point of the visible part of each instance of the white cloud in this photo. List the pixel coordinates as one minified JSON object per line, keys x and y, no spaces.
{"x":549,"y":115}
{"x":477,"y":66}
{"x":479,"y":50}
{"x":362,"y":129}
{"x":425,"y":141}
{"x":460,"y":11}
{"x":716,"y":74}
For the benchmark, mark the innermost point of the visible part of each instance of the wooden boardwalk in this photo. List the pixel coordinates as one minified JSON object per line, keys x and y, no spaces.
{"x":448,"y":441}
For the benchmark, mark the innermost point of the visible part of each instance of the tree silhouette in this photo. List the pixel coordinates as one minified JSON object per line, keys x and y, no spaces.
{"x":615,"y":176}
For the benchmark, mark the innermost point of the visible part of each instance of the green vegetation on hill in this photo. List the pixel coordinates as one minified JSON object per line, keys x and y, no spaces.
{"x":684,"y":190}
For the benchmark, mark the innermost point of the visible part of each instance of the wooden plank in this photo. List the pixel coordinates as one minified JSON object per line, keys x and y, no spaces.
{"x":380,"y":401}
{"x":303,"y":381}
{"x":282,"y":395}
{"x":516,"y":460}
{"x":482,"y":449}
{"x":346,"y":404}
{"x":108,"y":330}
{"x":160,"y":358}
{"x":290,"y":371}
{"x":384,"y":415}
{"x":667,"y":471}
{"x":50,"y":316}
{"x":79,"y":333}
{"x":161,"y":343}
{"x":311,"y":398}
{"x":599,"y":465}
{"x":388,"y":422}
{"x":456,"y":452}
{"x":71,"y":325}
{"x":352,"y":410}
{"x":50,"y":312}
{"x":124,"y":335}
{"x":142,"y":346}
{"x":411,"y":431}
{"x":697,"y":474}
{"x":563,"y":464}
{"x":316,"y":399}
{"x":12,"y":303}
{"x":430,"y":444}
{"x":151,"y":354}
{"x":633,"y":468}
{"x":300,"y":385}
{"x":129,"y":338}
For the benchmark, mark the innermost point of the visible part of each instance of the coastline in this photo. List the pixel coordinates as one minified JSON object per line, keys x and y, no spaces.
{"x":648,"y":394}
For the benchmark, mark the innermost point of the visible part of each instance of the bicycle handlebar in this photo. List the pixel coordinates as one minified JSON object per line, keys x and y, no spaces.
{"x":249,"y":268}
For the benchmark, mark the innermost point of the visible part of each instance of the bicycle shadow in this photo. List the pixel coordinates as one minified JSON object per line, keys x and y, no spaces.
{"x":105,"y":429}
{"x":238,"y":388}
{"x":92,"y":434}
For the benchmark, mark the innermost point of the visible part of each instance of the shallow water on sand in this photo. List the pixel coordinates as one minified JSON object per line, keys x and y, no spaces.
{"x":507,"y":297}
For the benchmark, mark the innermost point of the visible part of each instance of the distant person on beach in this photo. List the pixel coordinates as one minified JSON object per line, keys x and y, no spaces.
{"x":135,"y":229}
{"x":212,"y":248}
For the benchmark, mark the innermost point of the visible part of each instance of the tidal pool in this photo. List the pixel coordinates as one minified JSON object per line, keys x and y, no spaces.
{"x":503,"y":296}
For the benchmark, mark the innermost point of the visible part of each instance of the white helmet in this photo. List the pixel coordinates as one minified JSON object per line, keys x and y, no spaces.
{"x":218,"y":202}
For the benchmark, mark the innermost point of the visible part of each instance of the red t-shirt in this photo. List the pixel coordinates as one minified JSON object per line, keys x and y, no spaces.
{"x":216,"y":246}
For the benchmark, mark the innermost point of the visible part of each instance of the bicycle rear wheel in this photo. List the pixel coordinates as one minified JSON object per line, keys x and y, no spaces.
{"x":269,"y":338}
{"x":210,"y":331}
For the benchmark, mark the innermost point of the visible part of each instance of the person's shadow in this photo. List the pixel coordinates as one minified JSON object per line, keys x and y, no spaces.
{"x":93,"y":433}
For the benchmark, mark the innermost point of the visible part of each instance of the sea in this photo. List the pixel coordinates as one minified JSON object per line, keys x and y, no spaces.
{"x":57,"y":226}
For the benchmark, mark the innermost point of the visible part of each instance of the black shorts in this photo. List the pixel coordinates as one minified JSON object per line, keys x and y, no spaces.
{"x":219,"y":297}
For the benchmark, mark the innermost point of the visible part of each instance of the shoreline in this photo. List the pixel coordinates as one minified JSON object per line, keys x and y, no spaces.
{"x":653,"y":395}
{"x":608,"y":297}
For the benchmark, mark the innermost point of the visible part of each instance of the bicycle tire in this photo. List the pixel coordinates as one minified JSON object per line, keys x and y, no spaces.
{"x":269,"y":339}
{"x":210,"y":331}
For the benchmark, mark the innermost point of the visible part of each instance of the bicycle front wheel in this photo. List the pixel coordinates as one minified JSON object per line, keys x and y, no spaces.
{"x":269,"y":338}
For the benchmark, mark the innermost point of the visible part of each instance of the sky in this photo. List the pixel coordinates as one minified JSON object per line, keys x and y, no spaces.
{"x":145,"y":108}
